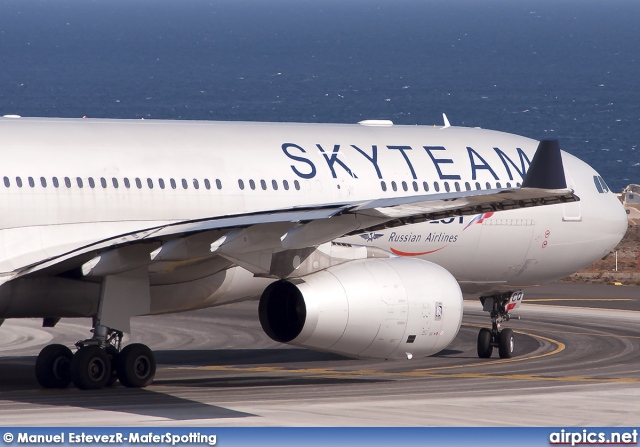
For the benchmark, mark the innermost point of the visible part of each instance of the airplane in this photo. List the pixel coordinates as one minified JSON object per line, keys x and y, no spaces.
{"x":358,"y":239}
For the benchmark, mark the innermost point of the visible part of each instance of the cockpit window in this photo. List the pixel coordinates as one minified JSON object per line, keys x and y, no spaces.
{"x":604,"y":185}
{"x":598,"y":185}
{"x":601,"y":186}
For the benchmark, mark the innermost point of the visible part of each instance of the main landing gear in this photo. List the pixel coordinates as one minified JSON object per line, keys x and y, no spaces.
{"x":98,"y":362}
{"x":499,"y":307}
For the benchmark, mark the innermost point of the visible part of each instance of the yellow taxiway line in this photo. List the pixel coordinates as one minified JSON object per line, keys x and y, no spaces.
{"x":435,"y":372}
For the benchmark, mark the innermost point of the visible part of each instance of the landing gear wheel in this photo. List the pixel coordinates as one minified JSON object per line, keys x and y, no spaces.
{"x":53,"y":366}
{"x":485,"y":349}
{"x":506,"y":343}
{"x":90,"y":368}
{"x":136,"y":366}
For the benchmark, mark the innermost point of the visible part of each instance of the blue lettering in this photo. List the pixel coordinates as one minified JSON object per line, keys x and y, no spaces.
{"x":438,"y":161}
{"x":406,"y":158}
{"x":312,"y":172}
{"x":373,"y":159}
{"x":334,"y":159}
{"x":483,"y":165}
{"x":506,"y":158}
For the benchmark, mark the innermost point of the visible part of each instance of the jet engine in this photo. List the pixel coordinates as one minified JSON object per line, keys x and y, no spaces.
{"x":369,"y":308}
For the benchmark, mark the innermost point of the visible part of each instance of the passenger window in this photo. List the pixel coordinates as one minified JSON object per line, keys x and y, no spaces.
{"x":161,"y":183}
{"x":457,"y":185}
{"x":79,"y":181}
{"x":103,"y":182}
{"x":446,"y":186}
{"x":92,"y":184}
{"x":7,"y":183}
{"x":263,"y":184}
{"x":185,"y":185}
{"x":173,"y":183}
{"x":488,"y":185}
{"x":274,"y":185}
{"x":127,"y":184}
{"x":31,"y":182}
{"x":498,"y":185}
{"x":285,"y":185}
{"x":252,"y":184}
{"x":425,"y":185}
{"x":138,"y":183}
{"x":67,"y":182}
{"x":436,"y":186}
{"x":150,"y":183}
{"x":467,"y":186}
{"x":196,"y":185}
{"x":478,"y":187}
{"x":415,"y":186}
{"x":43,"y":182}
{"x":241,"y":184}
{"x":115,"y":182}
{"x":19,"y":182}
{"x":404,"y":186}
{"x":394,"y":186}
{"x":383,"y":185}
{"x":218,"y":184}
{"x":207,"y":184}
{"x":296,"y":184}
{"x":56,"y":184}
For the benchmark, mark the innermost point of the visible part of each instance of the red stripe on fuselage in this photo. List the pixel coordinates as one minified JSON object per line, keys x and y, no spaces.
{"x":406,"y":253}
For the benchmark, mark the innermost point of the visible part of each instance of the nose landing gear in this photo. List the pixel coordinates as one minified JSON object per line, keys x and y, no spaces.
{"x":499,"y":307}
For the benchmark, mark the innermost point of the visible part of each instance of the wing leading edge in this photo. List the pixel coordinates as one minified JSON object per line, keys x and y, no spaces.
{"x":236,"y":237}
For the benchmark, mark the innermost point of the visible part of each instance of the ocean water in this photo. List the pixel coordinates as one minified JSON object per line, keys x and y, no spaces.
{"x":567,"y":69}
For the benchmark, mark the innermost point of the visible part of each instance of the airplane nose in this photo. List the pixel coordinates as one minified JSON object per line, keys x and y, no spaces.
{"x":604,"y":218}
{"x":620,"y":220}
{"x":613,"y":221}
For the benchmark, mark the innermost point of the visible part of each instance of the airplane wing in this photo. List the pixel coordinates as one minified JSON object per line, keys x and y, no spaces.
{"x":244,"y":239}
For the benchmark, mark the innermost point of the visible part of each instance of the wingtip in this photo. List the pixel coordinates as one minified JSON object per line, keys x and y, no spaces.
{"x":546,"y":170}
{"x":446,"y":121}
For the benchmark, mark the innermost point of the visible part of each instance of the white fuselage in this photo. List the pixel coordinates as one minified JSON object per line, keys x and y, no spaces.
{"x":67,"y":184}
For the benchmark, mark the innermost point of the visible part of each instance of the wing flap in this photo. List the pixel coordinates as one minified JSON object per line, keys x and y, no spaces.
{"x":300,"y":228}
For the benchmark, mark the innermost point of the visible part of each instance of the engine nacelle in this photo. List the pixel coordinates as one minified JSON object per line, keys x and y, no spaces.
{"x":371,"y":308}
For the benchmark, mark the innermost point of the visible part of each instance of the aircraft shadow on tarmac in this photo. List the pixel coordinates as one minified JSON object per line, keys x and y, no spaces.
{"x":18,"y":383}
{"x":225,"y":357}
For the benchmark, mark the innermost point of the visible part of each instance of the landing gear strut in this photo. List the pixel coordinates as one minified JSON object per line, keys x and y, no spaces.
{"x":499,"y":307}
{"x":97,"y":363}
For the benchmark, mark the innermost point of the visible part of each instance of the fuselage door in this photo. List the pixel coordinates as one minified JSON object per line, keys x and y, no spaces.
{"x":572,"y":210}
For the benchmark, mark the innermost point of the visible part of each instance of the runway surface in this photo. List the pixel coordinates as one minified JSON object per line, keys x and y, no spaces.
{"x":577,"y":363}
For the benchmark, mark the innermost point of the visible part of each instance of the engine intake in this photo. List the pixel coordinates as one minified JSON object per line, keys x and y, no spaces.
{"x":283,"y":312}
{"x":372,"y":308}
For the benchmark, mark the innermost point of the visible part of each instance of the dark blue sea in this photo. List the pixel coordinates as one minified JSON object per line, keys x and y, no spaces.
{"x":568,"y":69}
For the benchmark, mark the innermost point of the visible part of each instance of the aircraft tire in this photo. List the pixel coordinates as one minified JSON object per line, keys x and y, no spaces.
{"x":506,"y":343}
{"x":90,"y":368}
{"x":136,"y":366}
{"x":53,"y":366}
{"x":484,"y":344}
